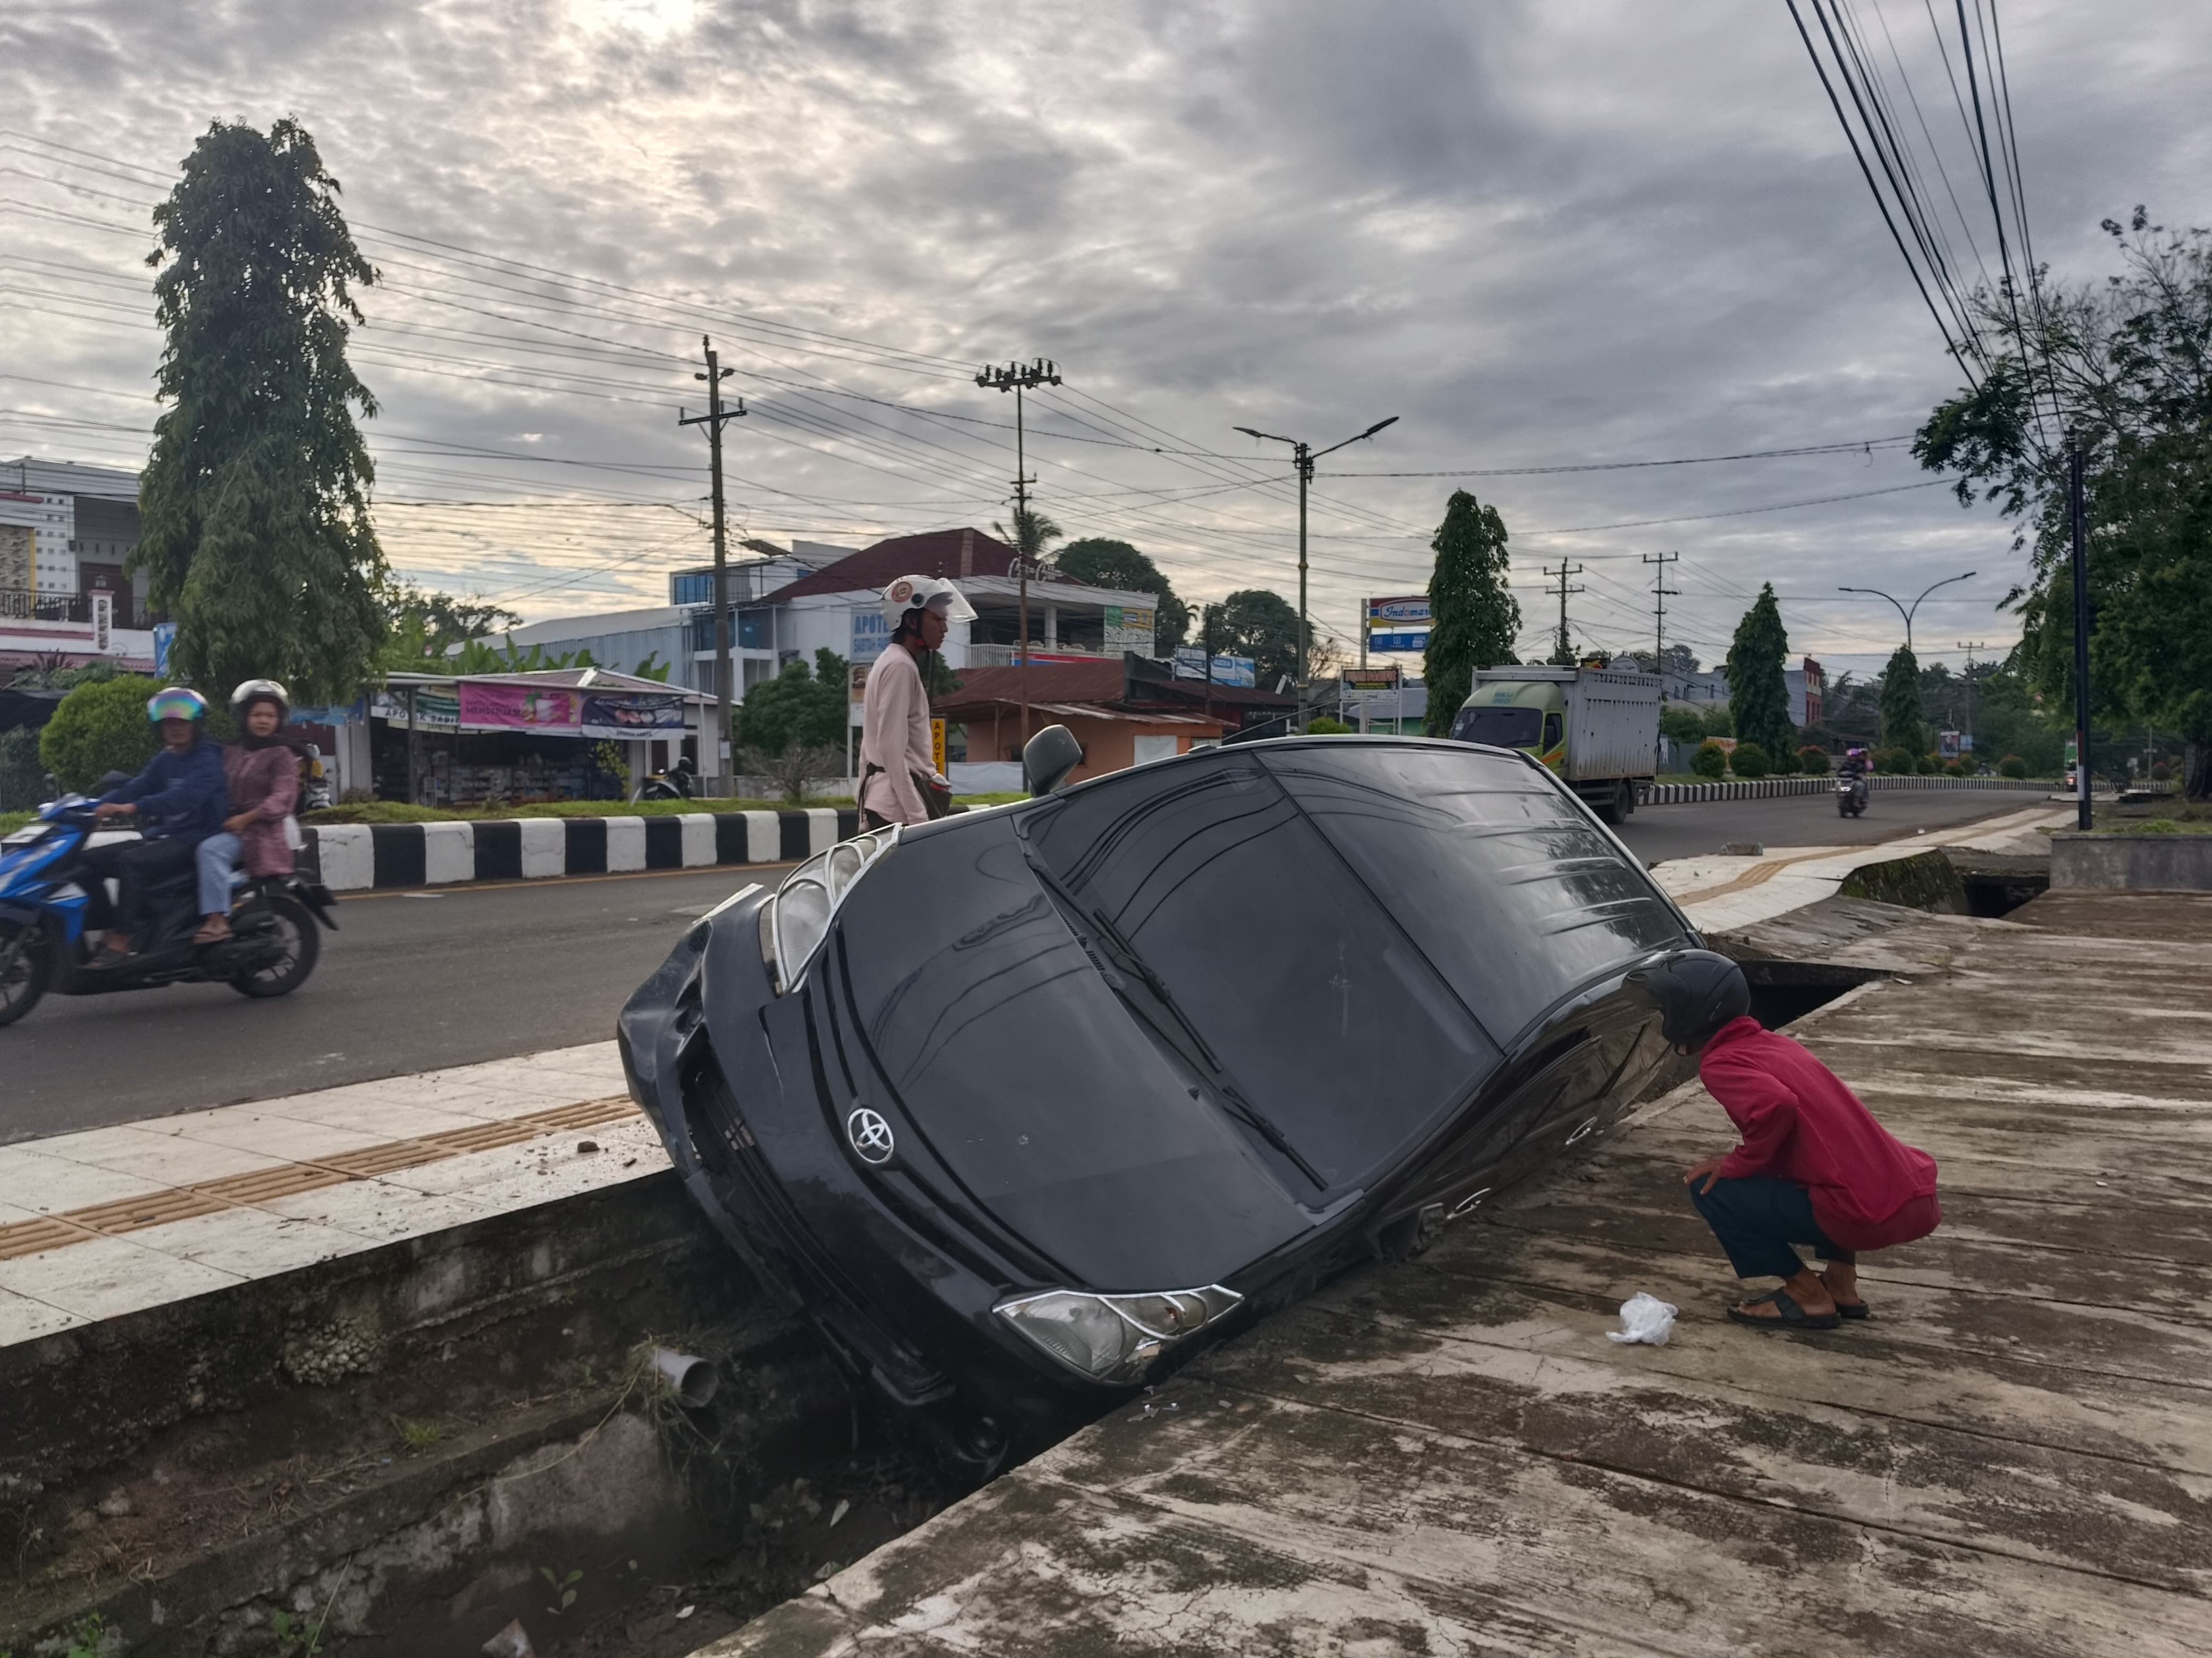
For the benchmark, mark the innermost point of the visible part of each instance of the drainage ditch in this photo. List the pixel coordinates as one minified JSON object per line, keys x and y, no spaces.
{"x":523,"y":1476}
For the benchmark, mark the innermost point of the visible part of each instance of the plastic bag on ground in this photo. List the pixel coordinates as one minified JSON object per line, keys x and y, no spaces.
{"x":1645,"y":1318}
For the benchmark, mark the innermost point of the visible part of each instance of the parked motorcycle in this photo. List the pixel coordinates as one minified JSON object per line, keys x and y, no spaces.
{"x":674,"y":784}
{"x":270,"y":951}
{"x":1850,"y":795}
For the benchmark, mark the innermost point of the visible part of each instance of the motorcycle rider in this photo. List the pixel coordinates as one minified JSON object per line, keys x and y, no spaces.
{"x":263,"y":778}
{"x":177,"y":800}
{"x":899,"y":780}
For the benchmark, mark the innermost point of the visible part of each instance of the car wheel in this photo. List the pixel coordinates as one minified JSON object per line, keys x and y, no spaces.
{"x":302,"y":944}
{"x":22,"y":968}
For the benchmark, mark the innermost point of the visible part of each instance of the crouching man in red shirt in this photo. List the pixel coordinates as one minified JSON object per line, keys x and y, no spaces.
{"x":1814,"y":1167}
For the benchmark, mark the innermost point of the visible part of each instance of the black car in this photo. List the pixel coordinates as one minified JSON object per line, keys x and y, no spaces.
{"x":1023,"y":1106}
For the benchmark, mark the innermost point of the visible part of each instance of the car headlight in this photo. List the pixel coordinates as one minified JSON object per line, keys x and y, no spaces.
{"x":795,"y":922}
{"x":1115,"y":1338}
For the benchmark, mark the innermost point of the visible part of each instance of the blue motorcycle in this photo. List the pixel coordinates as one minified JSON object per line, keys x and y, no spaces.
{"x":271,"y":951}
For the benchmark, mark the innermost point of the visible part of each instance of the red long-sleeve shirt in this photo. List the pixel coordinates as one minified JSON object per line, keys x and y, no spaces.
{"x":1800,"y":1123}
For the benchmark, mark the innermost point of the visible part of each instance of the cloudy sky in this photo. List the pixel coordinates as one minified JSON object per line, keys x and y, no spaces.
{"x":1543,"y":235}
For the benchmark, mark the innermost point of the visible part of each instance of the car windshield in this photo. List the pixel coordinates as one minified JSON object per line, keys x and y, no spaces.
{"x":1317,"y":1005}
{"x":1507,"y":728}
{"x":1507,"y":885}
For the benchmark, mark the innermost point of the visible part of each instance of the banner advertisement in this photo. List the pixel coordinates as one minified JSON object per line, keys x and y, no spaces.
{"x":434,"y":711}
{"x":1398,"y":624}
{"x":1128,"y":628}
{"x":1190,"y":664}
{"x":1383,"y":678}
{"x":631,"y":713}
{"x":522,"y":707}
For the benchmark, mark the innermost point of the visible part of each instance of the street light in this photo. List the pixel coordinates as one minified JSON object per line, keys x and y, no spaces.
{"x":1907,"y":611}
{"x":1304,"y":455}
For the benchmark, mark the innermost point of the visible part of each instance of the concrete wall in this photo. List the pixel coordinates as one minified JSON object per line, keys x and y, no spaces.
{"x":2158,"y":863}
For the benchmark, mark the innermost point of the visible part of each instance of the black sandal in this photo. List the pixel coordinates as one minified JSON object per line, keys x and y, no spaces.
{"x":1855,"y":1309}
{"x":1789,"y":1315}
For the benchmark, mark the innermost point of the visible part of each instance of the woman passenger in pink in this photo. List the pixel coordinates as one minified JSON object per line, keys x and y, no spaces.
{"x":263,"y":774}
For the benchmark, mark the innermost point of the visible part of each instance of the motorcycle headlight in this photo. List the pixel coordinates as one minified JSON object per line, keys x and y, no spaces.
{"x":1115,"y":1338}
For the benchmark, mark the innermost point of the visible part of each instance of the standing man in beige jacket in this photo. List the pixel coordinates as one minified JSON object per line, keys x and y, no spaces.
{"x":899,"y":780}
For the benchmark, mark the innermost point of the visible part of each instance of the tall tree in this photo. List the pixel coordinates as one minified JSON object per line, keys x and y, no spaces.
{"x":255,"y":499}
{"x":1902,"y":725}
{"x":422,"y":624}
{"x":1116,"y":564}
{"x":1473,"y":617}
{"x":1255,"y":622}
{"x":2125,"y":365}
{"x":1759,"y":696}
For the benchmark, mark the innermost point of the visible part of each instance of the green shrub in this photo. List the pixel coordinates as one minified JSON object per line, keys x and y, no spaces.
{"x":1783,"y":764}
{"x":1814,"y":759}
{"x":1898,"y":762}
{"x":2160,"y":772}
{"x":2012,"y":765}
{"x":99,"y":728}
{"x":1682,"y":724}
{"x":1958,"y":768}
{"x":1928,"y":765}
{"x":1321,"y":726}
{"x":1710,"y":760}
{"x":1750,"y":760}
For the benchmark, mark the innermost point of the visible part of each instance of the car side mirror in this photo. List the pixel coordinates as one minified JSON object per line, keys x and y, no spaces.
{"x":1048,"y":758}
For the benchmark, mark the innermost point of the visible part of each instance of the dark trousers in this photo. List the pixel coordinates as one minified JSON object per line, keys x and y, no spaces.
{"x":136,"y":865}
{"x":1759,"y":1218}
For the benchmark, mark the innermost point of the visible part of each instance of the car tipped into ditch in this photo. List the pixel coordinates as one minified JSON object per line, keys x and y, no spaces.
{"x":1023,"y":1106}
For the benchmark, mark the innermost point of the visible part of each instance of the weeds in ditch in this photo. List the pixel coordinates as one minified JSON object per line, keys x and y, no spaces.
{"x":294,"y":1639}
{"x":563,"y":1587}
{"x":418,"y":1436}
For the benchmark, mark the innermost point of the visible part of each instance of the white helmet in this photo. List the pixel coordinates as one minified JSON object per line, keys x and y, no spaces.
{"x":912,"y":593}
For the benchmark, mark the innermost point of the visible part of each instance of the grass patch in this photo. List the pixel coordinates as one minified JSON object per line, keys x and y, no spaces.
{"x":418,"y":1436}
{"x":2188,"y":821}
{"x":399,"y":811}
{"x":12,"y":820}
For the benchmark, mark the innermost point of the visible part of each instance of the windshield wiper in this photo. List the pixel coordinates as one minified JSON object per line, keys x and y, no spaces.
{"x":1232,"y":1100}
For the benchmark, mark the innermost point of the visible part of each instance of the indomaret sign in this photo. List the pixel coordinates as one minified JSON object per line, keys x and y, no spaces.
{"x":1398,"y":624}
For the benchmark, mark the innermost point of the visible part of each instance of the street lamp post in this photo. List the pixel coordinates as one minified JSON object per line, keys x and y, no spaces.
{"x":1906,"y":610}
{"x":1303,"y":456}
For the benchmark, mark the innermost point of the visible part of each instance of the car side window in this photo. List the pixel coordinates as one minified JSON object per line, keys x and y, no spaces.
{"x":1553,"y":725}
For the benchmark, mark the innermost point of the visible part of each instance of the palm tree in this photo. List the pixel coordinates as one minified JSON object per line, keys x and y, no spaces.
{"x":1032,"y":532}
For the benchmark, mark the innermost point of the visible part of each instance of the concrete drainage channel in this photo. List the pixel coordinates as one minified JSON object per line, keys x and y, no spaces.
{"x":460,"y":1440}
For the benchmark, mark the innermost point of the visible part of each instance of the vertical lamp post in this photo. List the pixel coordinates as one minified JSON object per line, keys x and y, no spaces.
{"x":1303,"y":456}
{"x":717,"y":412}
{"x":1017,"y":378}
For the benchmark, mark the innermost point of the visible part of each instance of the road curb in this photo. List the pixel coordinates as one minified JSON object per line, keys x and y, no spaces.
{"x":354,"y":857}
{"x":1683,"y":794}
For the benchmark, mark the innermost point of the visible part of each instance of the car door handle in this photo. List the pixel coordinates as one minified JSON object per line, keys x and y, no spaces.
{"x":1468,"y":1202}
{"x":1584,"y":1131}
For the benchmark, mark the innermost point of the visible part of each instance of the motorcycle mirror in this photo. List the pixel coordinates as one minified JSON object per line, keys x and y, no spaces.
{"x":112,"y":779}
{"x":1048,"y":758}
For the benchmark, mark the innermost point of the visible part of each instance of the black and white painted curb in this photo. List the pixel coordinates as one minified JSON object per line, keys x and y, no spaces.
{"x":1680,"y":794}
{"x":353,"y":856}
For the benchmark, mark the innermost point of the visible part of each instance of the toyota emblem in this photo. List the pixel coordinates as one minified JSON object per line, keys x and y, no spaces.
{"x":870,"y":1135}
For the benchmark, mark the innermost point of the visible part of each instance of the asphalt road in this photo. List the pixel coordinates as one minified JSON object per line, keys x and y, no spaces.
{"x":413,"y":982}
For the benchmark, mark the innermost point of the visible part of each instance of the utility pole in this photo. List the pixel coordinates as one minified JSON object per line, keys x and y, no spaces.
{"x":1563,"y":651}
{"x":1660,"y":593}
{"x":2077,"y":515}
{"x":1303,"y":456}
{"x":1017,"y":378}
{"x":712,"y":420}
{"x":1970,"y":646}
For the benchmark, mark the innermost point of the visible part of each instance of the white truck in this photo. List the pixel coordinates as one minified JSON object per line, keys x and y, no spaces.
{"x":1598,"y":728}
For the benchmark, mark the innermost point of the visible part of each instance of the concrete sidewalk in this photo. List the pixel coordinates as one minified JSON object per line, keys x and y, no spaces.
{"x":2014,"y":1455}
{"x":118,"y":1220}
